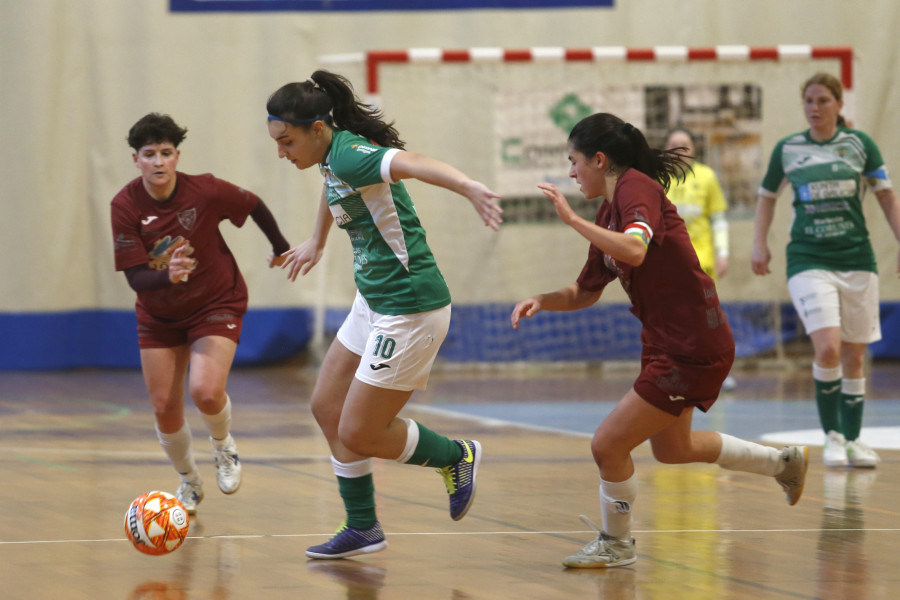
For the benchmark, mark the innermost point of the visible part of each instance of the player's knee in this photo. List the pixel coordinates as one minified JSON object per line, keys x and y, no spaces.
{"x":604,"y":450}
{"x":358,"y":440}
{"x":208,"y":399}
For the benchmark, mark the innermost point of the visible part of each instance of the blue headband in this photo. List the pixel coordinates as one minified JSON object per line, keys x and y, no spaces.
{"x":299,"y":121}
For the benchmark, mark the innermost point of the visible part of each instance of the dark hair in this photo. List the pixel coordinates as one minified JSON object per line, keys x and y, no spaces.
{"x":329,"y":97}
{"x":155,"y":128}
{"x":626,"y":147}
{"x":834,"y":86}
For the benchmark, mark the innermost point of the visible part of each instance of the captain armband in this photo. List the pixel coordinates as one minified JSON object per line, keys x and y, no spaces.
{"x":641,"y":231}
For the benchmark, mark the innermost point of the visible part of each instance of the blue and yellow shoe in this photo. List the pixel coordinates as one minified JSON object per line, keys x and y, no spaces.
{"x":460,"y":478}
{"x":348,"y":541}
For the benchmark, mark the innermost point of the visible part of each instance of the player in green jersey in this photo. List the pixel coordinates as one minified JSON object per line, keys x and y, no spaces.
{"x":832,"y":275}
{"x":387,"y":345}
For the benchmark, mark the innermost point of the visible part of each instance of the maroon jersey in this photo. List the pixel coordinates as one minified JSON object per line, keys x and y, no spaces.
{"x":146,"y":231}
{"x":671,"y":295}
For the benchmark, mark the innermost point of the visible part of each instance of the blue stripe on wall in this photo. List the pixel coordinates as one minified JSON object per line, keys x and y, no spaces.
{"x":478,"y":333}
{"x":372,"y":5}
{"x":108,"y":338}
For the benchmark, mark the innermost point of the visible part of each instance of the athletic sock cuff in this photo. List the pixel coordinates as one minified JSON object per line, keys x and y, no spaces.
{"x":359,"y":468}
{"x":827,"y":374}
{"x":853,"y":387}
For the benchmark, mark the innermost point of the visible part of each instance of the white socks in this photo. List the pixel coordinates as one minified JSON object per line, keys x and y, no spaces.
{"x":219,"y":424}
{"x":178,"y":448}
{"x":615,"y":506}
{"x":352,"y":470}
{"x":741,"y":455}
{"x":412,"y":440}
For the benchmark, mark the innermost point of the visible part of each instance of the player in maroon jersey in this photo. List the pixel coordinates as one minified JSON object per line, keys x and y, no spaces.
{"x":190,"y":293}
{"x":687,"y":346}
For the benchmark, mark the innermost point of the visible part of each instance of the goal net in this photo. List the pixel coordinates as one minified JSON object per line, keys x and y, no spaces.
{"x":502,"y":116}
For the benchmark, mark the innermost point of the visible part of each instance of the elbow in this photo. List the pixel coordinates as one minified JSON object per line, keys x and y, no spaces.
{"x":635,"y":255}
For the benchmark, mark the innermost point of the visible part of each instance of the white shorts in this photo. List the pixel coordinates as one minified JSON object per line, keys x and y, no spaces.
{"x":397,"y":350}
{"x":845,"y":299}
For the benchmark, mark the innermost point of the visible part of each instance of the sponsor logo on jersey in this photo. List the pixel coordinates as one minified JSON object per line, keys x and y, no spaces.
{"x":364,"y":149}
{"x":148,"y":220}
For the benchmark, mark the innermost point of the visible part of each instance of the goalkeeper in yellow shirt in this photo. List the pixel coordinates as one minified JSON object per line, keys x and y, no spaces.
{"x":702,"y":205}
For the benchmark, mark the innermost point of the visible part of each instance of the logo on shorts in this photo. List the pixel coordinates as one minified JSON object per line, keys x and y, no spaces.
{"x":231,"y":326}
{"x":379,"y":366}
{"x":676,"y":398}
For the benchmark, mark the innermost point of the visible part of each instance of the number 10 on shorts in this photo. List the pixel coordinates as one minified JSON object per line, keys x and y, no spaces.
{"x":384,"y":347}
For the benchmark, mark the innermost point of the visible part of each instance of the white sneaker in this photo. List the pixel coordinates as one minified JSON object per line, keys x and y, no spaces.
{"x":793,"y":477}
{"x":835,"y":452}
{"x":605,"y":551}
{"x":190,"y":494}
{"x":228,"y":465}
{"x":861,"y":455}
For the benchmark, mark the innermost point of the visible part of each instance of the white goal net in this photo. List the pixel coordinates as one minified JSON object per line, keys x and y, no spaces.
{"x":502,"y":116}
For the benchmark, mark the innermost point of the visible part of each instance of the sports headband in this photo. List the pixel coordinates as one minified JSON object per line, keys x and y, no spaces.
{"x":299,"y":121}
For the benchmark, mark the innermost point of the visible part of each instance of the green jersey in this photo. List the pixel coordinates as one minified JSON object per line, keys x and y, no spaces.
{"x":829,"y":180}
{"x":393,"y":266}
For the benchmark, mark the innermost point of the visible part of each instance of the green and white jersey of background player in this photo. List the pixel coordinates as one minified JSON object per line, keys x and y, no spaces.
{"x":829,"y":180}
{"x":393,"y":266}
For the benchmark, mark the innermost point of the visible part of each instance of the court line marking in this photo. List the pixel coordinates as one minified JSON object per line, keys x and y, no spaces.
{"x":462,"y":533}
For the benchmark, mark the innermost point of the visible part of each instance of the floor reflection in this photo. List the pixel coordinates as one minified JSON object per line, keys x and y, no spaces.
{"x":840,"y":552}
{"x":612,"y":584}
{"x":362,"y":581}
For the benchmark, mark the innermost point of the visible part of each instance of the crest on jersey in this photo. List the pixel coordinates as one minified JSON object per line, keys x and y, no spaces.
{"x":188,"y":218}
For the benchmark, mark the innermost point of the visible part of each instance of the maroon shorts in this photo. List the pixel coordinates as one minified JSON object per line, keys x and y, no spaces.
{"x":156,"y":333}
{"x":674,"y":383}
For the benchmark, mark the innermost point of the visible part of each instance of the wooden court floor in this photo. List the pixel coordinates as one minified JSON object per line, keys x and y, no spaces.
{"x":77,"y":447}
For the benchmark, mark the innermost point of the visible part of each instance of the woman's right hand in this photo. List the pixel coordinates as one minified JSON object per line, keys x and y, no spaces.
{"x":563,"y":209}
{"x":524,"y":309}
{"x":760,"y":258}
{"x":301,"y":258}
{"x":180,"y":266}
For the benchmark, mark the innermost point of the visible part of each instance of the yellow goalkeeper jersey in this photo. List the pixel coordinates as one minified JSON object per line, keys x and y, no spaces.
{"x":697,"y":198}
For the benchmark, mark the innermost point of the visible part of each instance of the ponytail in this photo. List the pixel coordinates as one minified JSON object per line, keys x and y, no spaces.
{"x":329,"y":97}
{"x":626,"y":147}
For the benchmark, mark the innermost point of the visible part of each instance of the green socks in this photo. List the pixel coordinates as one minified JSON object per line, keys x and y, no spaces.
{"x":427,"y":448}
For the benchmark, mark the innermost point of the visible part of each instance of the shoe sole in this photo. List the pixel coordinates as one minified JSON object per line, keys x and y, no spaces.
{"x":364,"y":550}
{"x":477,"y":461}
{"x":620,"y":563}
{"x":802,"y":477}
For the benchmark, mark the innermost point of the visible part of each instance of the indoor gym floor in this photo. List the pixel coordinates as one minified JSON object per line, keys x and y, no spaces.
{"x":76,"y":448}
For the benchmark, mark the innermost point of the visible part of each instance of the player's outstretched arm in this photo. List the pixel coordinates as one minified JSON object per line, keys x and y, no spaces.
{"x":303,"y":257}
{"x":622,"y":247}
{"x":571,"y":297}
{"x":410,"y":165}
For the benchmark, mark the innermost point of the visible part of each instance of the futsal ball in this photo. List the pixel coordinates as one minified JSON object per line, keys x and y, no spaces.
{"x":156,"y":523}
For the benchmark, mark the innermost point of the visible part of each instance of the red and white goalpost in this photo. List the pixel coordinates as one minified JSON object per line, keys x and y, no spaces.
{"x":502,"y":116}
{"x":374,"y":59}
